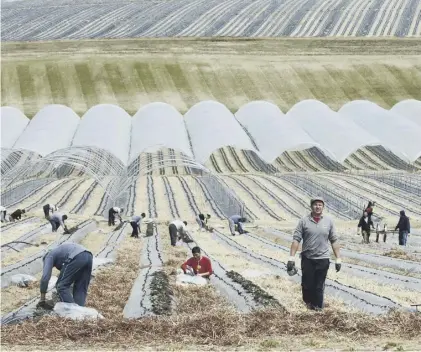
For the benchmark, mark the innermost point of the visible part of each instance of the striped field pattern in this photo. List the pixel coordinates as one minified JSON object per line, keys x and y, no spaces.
{"x":29,"y":20}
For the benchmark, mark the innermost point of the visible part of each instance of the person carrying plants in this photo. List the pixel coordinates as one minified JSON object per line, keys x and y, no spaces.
{"x":200,"y":265}
{"x":135,"y":223}
{"x":315,"y":230}
{"x":202,"y":221}
{"x":17,"y":214}
{"x":57,"y":220}
{"x":236,"y":222}
{"x":75,"y":264}
{"x":112,"y":213}
{"x":365,"y":224}
{"x":404,"y":228}
{"x":177,"y":229}
{"x":49,"y":208}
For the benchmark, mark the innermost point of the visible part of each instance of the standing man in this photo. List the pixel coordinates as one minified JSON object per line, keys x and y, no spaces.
{"x":112,"y":213}
{"x":177,"y":229}
{"x":135,"y":223}
{"x":17,"y":214}
{"x":315,"y":230}
{"x":404,"y":228}
{"x":49,"y":208}
{"x":57,"y":220}
{"x":202,"y":221}
{"x":3,"y":213}
{"x":75,"y":265}
{"x":236,"y":221}
{"x":366,"y":224}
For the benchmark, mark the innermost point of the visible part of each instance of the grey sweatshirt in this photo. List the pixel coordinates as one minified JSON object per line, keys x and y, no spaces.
{"x":315,"y":236}
{"x":57,"y":217}
{"x":56,"y":258}
{"x":235,"y":219}
{"x":137,"y":219}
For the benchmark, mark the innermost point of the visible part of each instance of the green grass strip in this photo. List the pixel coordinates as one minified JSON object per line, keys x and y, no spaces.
{"x":56,"y":83}
{"x":87,"y":84}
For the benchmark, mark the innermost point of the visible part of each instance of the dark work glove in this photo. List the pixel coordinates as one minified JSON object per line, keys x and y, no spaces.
{"x":338,"y":265}
{"x":48,"y":305}
{"x":290,"y":266}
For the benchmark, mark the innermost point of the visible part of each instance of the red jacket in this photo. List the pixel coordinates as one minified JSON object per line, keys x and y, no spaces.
{"x":203,"y":265}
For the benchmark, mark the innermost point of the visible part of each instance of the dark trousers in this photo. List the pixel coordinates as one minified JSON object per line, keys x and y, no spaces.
{"x":54,"y":225}
{"x":76,"y":272}
{"x":403,"y":236}
{"x":46,"y":209}
{"x":111,"y":217}
{"x":314,"y":273}
{"x":3,"y":216}
{"x":173,"y":234}
{"x":135,"y":227}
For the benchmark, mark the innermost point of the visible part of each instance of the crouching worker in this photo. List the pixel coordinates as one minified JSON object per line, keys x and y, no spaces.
{"x":316,"y":231}
{"x":17,"y":214}
{"x":75,"y":264}
{"x":236,"y":223}
{"x":202,"y":221}
{"x":112,"y":213}
{"x":49,"y":209}
{"x":177,"y":229}
{"x":200,"y":265}
{"x":135,"y":223}
{"x":57,"y":220}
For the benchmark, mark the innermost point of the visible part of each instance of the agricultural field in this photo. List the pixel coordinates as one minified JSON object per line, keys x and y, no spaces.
{"x":64,"y":19}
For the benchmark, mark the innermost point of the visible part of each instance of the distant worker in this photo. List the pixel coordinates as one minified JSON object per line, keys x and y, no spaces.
{"x":236,"y":223}
{"x":404,"y":228}
{"x":366,"y":224}
{"x":112,"y":213}
{"x":57,"y":220}
{"x":202,"y":221}
{"x":177,"y":229}
{"x":200,"y":265}
{"x":370,"y":209}
{"x":136,"y":223}
{"x":17,"y":214}
{"x":315,"y":230}
{"x":75,"y":264}
{"x":49,"y":209}
{"x":3,"y":212}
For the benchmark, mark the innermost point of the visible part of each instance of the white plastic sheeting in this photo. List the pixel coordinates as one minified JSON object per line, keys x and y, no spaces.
{"x":411,"y":109}
{"x":158,"y":125}
{"x":271,"y":131}
{"x":51,"y":129}
{"x":338,"y":137}
{"x":397,"y":133}
{"x":13,"y":122}
{"x":212,"y":126}
{"x":108,"y":127}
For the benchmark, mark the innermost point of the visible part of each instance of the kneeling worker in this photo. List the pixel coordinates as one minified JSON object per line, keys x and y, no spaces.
{"x":200,"y":265}
{"x":17,"y":214}
{"x":177,"y":229}
{"x":49,"y":208}
{"x":202,"y":221}
{"x":75,"y":264}
{"x":112,"y":214}
{"x":236,"y":222}
{"x":57,"y":220}
{"x":135,"y":223}
{"x":315,"y":230}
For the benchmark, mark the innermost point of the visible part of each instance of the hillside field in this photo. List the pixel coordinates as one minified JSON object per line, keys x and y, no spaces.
{"x":182,"y":72}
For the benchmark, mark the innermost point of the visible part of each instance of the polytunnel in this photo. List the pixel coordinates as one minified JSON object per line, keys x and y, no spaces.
{"x":13,"y":123}
{"x":397,"y":133}
{"x":212,"y":126}
{"x":156,"y":126}
{"x":410,"y":108}
{"x":271,"y":131}
{"x":51,"y":129}
{"x":337,"y":136}
{"x":105,"y":127}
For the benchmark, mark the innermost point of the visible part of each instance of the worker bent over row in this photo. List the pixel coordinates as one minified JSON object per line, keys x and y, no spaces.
{"x":49,"y":209}
{"x":202,"y":221}
{"x":57,"y":220}
{"x":17,"y":214}
{"x":135,"y":224}
{"x":177,"y":229}
{"x":200,"y":265}
{"x":236,"y":222}
{"x":366,"y":224}
{"x":112,"y":213}
{"x":75,"y":264}
{"x":315,"y":230}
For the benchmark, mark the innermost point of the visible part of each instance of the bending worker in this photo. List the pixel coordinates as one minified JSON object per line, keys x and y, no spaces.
{"x":236,"y":222}
{"x":49,"y":208}
{"x":404,"y":228}
{"x":57,"y":220}
{"x":17,"y":214}
{"x":202,"y":221}
{"x":315,"y":230}
{"x":112,"y":213}
{"x":366,"y":224}
{"x":75,"y":265}
{"x":200,"y":265}
{"x":135,"y":223}
{"x":177,"y":229}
